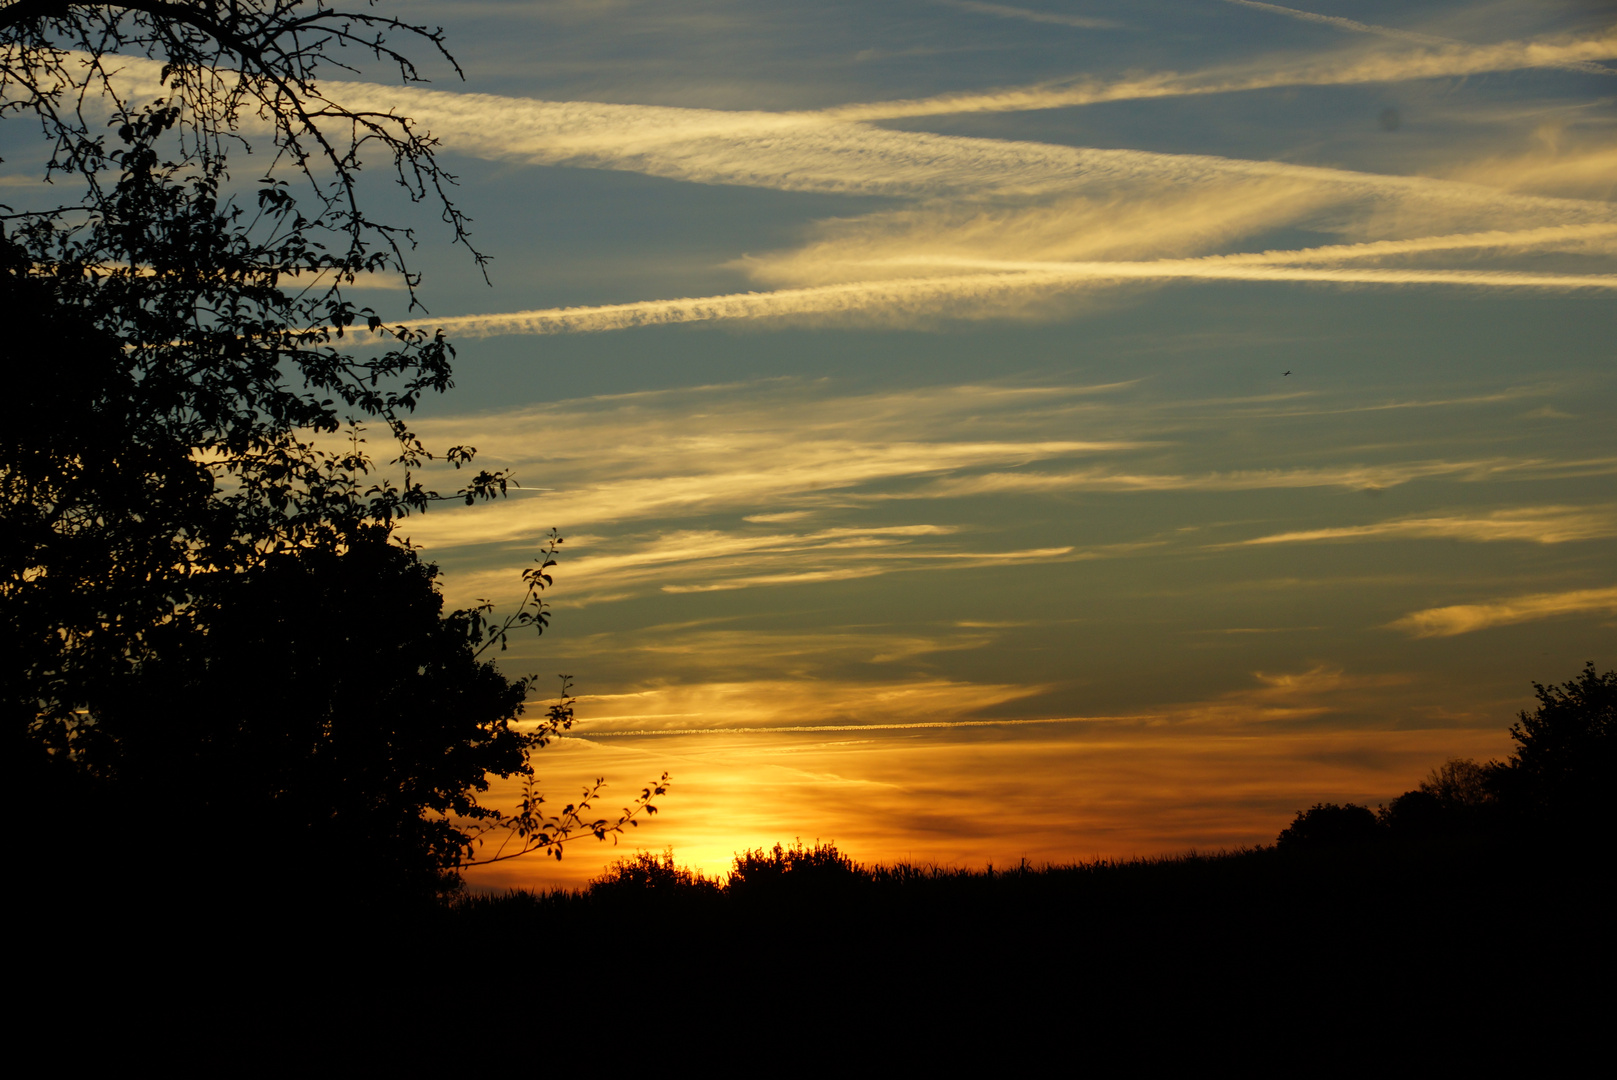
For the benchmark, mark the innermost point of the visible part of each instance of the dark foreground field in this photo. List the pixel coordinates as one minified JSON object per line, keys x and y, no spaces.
{"x":1493,"y":951}
{"x":1456,"y":935}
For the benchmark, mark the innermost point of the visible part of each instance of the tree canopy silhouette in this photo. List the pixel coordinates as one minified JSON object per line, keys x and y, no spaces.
{"x":1558,"y":784}
{"x":1325,"y":826}
{"x":1564,"y":770}
{"x":191,"y":511}
{"x":1457,"y":798}
{"x":181,"y":335}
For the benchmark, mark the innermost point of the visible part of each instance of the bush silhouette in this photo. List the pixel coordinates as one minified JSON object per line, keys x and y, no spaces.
{"x":1327,"y":826}
{"x":795,"y":868}
{"x":647,"y":873}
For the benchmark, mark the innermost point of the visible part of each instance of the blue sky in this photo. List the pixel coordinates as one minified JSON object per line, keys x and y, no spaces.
{"x":908,"y":380}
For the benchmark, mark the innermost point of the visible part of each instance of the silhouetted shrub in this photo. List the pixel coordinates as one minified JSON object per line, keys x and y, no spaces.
{"x":796,"y":868}
{"x":1327,"y":825}
{"x":647,"y":873}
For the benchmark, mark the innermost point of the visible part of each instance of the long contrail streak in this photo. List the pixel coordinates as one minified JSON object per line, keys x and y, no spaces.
{"x":1357,"y":27}
{"x":813,"y":728}
{"x":923,"y":294}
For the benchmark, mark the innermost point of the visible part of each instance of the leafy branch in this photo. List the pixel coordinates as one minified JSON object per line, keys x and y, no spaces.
{"x":534,"y":611}
{"x":530,"y":828}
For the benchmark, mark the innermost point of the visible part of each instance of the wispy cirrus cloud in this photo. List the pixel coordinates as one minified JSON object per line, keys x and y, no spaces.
{"x":1442,"y":59}
{"x":862,"y":565}
{"x":1345,"y":24}
{"x":1048,"y":18}
{"x":1075,"y":245}
{"x":783,"y":704}
{"x":837,"y":151}
{"x":765,"y":706}
{"x":776,"y":486}
{"x":709,"y":560}
{"x":1103,"y":217}
{"x":1396,"y":34}
{"x":1531,"y":524}
{"x":1548,"y":168}
{"x":966,"y":295}
{"x":776,"y":452}
{"x":760,"y":471}
{"x":1595,"y":239}
{"x":1352,"y":477}
{"x":1459,"y":619}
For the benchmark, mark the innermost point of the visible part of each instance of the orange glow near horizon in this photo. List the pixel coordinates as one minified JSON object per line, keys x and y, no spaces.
{"x":1207,"y":778}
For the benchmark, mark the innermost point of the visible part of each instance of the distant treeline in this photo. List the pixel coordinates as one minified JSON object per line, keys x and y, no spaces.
{"x":1557,"y":784}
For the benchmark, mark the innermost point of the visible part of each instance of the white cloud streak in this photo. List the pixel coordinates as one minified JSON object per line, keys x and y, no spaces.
{"x":823,"y":152}
{"x":778,"y":704}
{"x":729,"y":471}
{"x":970,"y":276}
{"x":1351,"y":477}
{"x":1346,"y":24}
{"x":1048,"y":18}
{"x":923,"y":725}
{"x":1534,"y":524}
{"x":697,"y":561}
{"x":1446,"y":60}
{"x":928,"y":296}
{"x":830,"y":151}
{"x":1354,"y":26}
{"x":1469,"y":618}
{"x":769,"y":485}
{"x":1197,"y":199}
{"x":1596,"y":238}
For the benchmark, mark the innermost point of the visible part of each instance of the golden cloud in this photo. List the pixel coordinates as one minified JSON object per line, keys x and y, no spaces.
{"x":1468,"y":618}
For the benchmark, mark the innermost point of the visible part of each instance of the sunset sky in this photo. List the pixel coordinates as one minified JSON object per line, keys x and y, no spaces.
{"x":1049,"y":430}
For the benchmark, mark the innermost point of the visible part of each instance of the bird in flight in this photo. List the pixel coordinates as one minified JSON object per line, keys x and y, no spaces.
{"x":1285,"y":373}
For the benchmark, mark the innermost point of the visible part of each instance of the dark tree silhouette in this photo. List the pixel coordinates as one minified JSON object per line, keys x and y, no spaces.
{"x":178,"y":494}
{"x":1459,"y":783}
{"x":180,"y":342}
{"x":1456,"y":798}
{"x":311,"y":714}
{"x":1328,"y":825}
{"x":326,"y":718}
{"x":1560,"y":783}
{"x":1563,"y":774}
{"x":226,"y":63}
